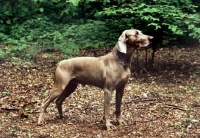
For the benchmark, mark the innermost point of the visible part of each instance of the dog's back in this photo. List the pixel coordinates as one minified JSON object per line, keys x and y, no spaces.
{"x":85,"y":70}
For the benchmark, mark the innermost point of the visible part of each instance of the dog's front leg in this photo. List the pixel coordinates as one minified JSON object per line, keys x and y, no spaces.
{"x":119,"y":95}
{"x":107,"y":99}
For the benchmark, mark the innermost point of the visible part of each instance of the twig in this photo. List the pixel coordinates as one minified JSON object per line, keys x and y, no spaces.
{"x":140,"y":100}
{"x":175,"y":107}
{"x":141,"y":67}
{"x":84,"y":53}
{"x":195,"y":105}
{"x":8,"y":109}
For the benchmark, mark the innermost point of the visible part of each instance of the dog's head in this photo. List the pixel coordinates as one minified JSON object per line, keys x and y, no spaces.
{"x":133,"y":38}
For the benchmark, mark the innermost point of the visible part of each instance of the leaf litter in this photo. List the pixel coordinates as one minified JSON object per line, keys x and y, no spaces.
{"x":164,"y":102}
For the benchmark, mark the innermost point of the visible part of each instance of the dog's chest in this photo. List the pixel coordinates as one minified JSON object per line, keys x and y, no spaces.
{"x":121,"y":76}
{"x":126,"y":74}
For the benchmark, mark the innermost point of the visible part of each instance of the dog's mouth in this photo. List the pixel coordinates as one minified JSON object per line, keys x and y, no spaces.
{"x":147,"y":41}
{"x":145,"y":44}
{"x":150,"y":38}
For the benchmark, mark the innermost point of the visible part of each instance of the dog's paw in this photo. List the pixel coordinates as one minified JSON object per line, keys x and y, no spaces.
{"x":61,"y":116}
{"x":110,"y":126}
{"x":41,"y":122}
{"x":121,"y":122}
{"x":41,"y":119}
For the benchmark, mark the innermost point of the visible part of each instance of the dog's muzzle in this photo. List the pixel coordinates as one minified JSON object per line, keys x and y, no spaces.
{"x":150,"y":39}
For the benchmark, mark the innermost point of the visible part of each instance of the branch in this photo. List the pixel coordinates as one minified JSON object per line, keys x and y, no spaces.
{"x":140,"y":100}
{"x":8,"y":109}
{"x":175,"y":107}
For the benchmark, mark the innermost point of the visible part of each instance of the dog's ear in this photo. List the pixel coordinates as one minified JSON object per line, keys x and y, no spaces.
{"x":136,"y":32}
{"x":121,"y":44}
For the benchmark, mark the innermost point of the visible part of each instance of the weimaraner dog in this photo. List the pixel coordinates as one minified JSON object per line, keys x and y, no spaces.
{"x":107,"y":72}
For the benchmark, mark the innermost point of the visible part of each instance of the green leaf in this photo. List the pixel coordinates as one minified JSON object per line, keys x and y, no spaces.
{"x":174,"y":28}
{"x":41,"y":9}
{"x":155,"y":25}
{"x":179,"y":32}
{"x":8,"y":21}
{"x":4,"y":94}
{"x":191,"y":26}
{"x":187,"y":22}
{"x":74,"y":2}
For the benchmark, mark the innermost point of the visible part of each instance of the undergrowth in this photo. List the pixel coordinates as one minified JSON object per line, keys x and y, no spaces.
{"x":39,"y":35}
{"x":31,"y":27}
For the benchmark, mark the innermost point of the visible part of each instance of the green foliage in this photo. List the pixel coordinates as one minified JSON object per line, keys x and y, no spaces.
{"x":44,"y":35}
{"x":170,"y":19}
{"x":34,"y":26}
{"x":4,"y":94}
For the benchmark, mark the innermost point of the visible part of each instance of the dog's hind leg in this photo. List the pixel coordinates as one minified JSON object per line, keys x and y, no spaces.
{"x":61,"y":81}
{"x":66,"y":92}
{"x":56,"y":91}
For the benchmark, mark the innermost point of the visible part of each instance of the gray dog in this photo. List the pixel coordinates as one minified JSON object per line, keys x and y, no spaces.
{"x":107,"y":72}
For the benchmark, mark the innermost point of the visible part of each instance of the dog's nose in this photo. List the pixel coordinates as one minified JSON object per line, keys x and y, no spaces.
{"x":150,"y":37}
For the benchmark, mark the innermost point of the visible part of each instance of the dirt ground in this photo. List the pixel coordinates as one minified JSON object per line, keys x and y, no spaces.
{"x":164,"y":102}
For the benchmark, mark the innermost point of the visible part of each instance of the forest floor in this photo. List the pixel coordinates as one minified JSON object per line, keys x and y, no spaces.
{"x":164,"y":102}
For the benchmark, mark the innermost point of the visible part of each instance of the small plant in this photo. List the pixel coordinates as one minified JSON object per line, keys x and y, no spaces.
{"x":4,"y":94}
{"x":2,"y":54}
{"x":29,"y":110}
{"x":30,"y":135}
{"x":193,"y":76}
{"x":188,"y":121}
{"x":46,"y":93}
{"x":179,"y":125}
{"x":177,"y":80}
{"x":13,"y":130}
{"x":171,"y":123}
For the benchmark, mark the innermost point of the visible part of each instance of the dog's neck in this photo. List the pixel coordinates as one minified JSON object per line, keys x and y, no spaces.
{"x":124,"y":58}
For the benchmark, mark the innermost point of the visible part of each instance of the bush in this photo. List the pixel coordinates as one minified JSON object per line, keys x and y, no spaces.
{"x":170,"y":19}
{"x":39,"y":35}
{"x":34,"y":26}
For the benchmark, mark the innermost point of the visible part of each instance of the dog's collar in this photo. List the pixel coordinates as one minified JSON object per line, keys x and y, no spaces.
{"x":120,"y":61}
